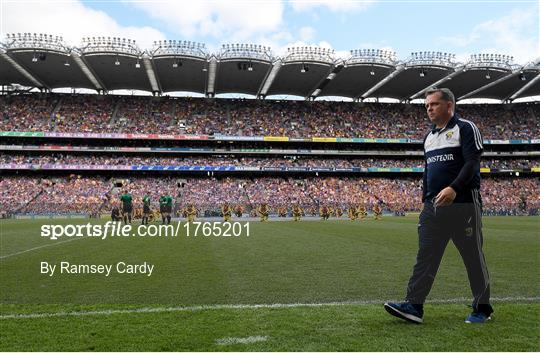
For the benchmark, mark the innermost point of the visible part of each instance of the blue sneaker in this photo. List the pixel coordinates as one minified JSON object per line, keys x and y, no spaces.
{"x":477,"y":318}
{"x":406,"y":311}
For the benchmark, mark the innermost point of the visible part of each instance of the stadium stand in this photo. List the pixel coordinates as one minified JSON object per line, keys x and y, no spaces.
{"x":89,"y":195}
{"x":45,"y":170}
{"x":227,"y":160}
{"x":107,"y":114}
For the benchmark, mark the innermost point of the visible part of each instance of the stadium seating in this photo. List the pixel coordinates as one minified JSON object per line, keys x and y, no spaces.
{"x":100,"y":114}
{"x":123,"y":160}
{"x":84,"y":194}
{"x":32,"y":193}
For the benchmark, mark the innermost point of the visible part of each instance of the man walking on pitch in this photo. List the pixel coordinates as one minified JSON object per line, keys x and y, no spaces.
{"x":452,"y":209}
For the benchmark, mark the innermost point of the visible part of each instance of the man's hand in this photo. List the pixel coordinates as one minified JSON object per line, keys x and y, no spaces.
{"x":445,"y":197}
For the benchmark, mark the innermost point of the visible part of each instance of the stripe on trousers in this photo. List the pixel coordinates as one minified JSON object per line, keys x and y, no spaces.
{"x":478,"y":235}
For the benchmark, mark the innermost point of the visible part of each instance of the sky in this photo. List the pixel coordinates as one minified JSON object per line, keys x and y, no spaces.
{"x":453,"y":26}
{"x":459,"y":27}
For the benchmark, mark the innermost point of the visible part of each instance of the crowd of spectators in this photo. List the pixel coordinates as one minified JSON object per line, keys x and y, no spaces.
{"x":128,"y":114}
{"x":73,"y":194}
{"x":87,"y":113}
{"x":511,"y":196}
{"x":92,"y":195}
{"x":93,"y":113}
{"x":228,"y":160}
{"x":18,"y":191}
{"x":27,"y":113}
{"x":143,"y":114}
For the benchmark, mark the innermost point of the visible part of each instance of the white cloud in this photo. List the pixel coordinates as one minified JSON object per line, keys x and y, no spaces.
{"x":307,"y":33}
{"x":219,"y":19}
{"x":463,"y":57}
{"x":72,"y":20}
{"x":515,"y":34}
{"x":372,"y":45}
{"x":332,"y":5}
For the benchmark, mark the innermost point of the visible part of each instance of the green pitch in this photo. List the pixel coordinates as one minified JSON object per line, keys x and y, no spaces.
{"x":204,"y":291}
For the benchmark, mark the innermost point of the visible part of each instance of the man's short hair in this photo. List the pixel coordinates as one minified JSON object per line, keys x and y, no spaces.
{"x":446,"y":94}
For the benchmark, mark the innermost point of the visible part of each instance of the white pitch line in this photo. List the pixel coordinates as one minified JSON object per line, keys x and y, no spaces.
{"x":39,"y":247}
{"x":240,"y":340}
{"x":149,"y":310}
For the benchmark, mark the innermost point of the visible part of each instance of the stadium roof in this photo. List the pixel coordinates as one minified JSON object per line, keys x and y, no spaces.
{"x":105,"y":64}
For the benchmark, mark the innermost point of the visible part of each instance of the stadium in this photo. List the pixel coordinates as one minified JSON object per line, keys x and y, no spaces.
{"x":314,"y":284}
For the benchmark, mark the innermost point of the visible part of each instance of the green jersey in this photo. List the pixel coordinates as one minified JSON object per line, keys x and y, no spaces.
{"x":165,"y":200}
{"x":146,"y":200}
{"x":126,"y":199}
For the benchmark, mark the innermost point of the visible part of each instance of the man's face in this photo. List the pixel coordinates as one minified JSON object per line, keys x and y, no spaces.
{"x":438,"y":110}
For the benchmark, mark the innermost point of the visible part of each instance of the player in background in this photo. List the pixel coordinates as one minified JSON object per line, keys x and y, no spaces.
{"x":146,"y":209}
{"x":162,"y":208}
{"x":154,"y":215}
{"x":191,"y":212}
{"x":226,"y":211}
{"x":127,"y":206}
{"x":137,"y":213}
{"x":324,"y":212}
{"x":297,"y":212}
{"x":362,"y":211}
{"x":115,"y":213}
{"x":165,"y":207}
{"x":377,"y":212}
{"x":239,"y":210}
{"x":263,"y":212}
{"x":352,"y":212}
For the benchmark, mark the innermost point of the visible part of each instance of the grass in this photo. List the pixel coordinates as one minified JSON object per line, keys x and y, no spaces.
{"x":280,"y":262}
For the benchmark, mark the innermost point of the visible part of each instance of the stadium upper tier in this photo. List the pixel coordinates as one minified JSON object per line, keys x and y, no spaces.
{"x":105,"y":64}
{"x":297,"y":119}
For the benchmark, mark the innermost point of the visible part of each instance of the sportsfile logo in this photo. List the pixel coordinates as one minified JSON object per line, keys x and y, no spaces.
{"x":117,"y":229}
{"x":109,"y":229}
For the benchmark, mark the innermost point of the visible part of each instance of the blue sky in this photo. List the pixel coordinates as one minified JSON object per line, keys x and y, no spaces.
{"x":459,"y":27}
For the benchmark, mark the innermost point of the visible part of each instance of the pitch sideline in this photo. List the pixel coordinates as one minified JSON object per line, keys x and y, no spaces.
{"x":151,"y":310}
{"x":38,"y":247}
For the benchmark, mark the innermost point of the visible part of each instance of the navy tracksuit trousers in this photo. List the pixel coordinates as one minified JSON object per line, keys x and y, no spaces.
{"x":462,"y":223}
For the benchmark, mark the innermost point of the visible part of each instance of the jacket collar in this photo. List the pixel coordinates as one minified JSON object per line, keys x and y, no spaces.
{"x":450,"y":124}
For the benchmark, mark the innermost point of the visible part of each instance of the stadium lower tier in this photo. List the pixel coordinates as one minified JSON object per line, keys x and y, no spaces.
{"x":94,"y":195}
